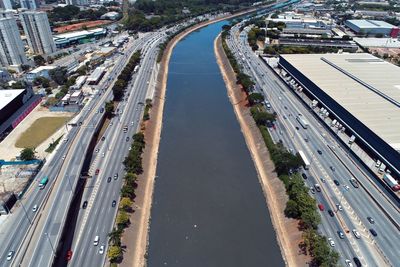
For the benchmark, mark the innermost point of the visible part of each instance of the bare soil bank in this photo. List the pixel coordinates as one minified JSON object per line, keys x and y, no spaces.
{"x":288,"y":234}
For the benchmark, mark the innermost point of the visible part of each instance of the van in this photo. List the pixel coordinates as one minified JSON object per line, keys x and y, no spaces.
{"x":96,"y":240}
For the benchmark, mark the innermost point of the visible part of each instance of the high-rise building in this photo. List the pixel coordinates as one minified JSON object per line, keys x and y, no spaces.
{"x":11,"y":46}
{"x":5,"y":4}
{"x":6,"y":14}
{"x":30,"y":4}
{"x":77,"y":2}
{"x":37,"y":30}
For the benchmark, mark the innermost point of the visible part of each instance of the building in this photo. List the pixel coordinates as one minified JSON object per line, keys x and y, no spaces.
{"x":112,"y":15}
{"x":79,"y":37}
{"x":96,"y":76}
{"x":30,"y":4}
{"x":374,"y":27}
{"x":360,"y":91}
{"x":42,"y":71}
{"x":77,"y":2}
{"x":11,"y":46}
{"x":37,"y":30}
{"x":76,"y":98}
{"x":6,"y":14}
{"x":326,"y":43}
{"x":5,"y":4}
{"x":377,"y":42}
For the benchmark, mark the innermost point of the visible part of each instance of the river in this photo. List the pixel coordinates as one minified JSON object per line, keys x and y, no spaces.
{"x":208,"y":206}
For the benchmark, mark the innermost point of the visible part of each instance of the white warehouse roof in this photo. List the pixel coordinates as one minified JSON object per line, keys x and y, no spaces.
{"x":6,"y":96}
{"x":378,"y":110}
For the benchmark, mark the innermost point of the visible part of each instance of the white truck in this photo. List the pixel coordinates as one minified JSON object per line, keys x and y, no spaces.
{"x":391,"y":182}
{"x":302,"y":121}
{"x":352,"y":138}
{"x":305,"y":160}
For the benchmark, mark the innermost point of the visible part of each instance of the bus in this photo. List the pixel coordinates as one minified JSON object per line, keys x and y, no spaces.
{"x":43,"y":182}
{"x":302,"y":121}
{"x":305,"y":160}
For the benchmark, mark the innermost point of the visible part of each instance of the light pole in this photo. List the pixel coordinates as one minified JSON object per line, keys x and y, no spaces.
{"x":51,"y":245}
{"x":26,"y":213}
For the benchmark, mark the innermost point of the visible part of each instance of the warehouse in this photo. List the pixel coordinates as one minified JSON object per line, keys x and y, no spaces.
{"x":372,"y":27}
{"x":79,"y":37}
{"x":361,"y":91}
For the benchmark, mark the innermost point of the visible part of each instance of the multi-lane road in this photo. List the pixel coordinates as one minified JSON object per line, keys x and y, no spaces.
{"x":331,"y":163}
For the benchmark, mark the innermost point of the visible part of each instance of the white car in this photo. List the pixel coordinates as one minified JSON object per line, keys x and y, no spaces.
{"x":101,"y":250}
{"x":356,"y":234}
{"x":339,"y":207}
{"x":103,"y":154}
{"x":34,"y":209}
{"x":348,"y":263}
{"x":10,"y":255}
{"x":331,"y":242}
{"x":346,"y":187}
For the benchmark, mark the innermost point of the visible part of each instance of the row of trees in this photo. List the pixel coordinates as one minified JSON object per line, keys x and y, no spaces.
{"x":301,"y":205}
{"x":133,"y":166}
{"x":71,"y":12}
{"x":146,"y":113}
{"x":254,"y":35}
{"x":291,"y":49}
{"x":125,"y":76}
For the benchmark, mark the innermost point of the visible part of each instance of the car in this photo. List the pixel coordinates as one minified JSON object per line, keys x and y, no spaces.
{"x":63,"y":157}
{"x":103,"y":154}
{"x":69,"y":255}
{"x":321,"y":207}
{"x":357,"y":262}
{"x":348,"y":263}
{"x":356,"y":234}
{"x":346,"y":187}
{"x":306,"y":139}
{"x":354,"y":183}
{"x":65,"y":140}
{"x":127,"y":138}
{"x":319,"y":152}
{"x":109,"y":179}
{"x":312,"y":190}
{"x":284,"y":117}
{"x":340,"y":234}
{"x":103,"y":138}
{"x":332,"y":168}
{"x":297,"y":128}
{"x":10,"y":255}
{"x":116,"y":176}
{"x":373,"y":232}
{"x":101,"y":250}
{"x":97,"y":150}
{"x":323,"y":180}
{"x":339,"y":207}
{"x":336,"y":182}
{"x":331,"y":242}
{"x":371,"y":220}
{"x":114,"y":203}
{"x":84,"y":205}
{"x":331,"y":213}
{"x":304,"y":175}
{"x":34,"y":209}
{"x":97,"y":171}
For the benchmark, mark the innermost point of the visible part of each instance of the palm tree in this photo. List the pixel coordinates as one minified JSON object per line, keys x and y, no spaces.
{"x":115,"y":236}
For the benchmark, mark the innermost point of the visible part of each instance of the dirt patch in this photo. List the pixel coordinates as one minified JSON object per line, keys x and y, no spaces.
{"x":288,"y":235}
{"x":39,"y":131}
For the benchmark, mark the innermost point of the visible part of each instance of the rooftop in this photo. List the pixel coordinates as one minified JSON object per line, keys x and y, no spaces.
{"x":41,"y":68}
{"x":6,"y":96}
{"x":366,"y":23}
{"x":78,"y":34}
{"x":377,"y":42}
{"x":372,"y":95}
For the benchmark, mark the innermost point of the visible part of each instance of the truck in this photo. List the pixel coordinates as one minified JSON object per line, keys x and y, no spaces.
{"x":333,"y":122}
{"x":394,"y":185}
{"x":305,"y":160}
{"x":43,"y":182}
{"x":302,"y":121}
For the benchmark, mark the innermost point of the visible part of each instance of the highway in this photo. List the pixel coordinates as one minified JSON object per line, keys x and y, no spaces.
{"x":15,"y":236}
{"x":95,"y":220}
{"x":357,"y":203}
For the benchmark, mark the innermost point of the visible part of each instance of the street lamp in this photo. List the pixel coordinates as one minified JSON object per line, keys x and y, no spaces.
{"x":51,"y":245}
{"x":26,"y":213}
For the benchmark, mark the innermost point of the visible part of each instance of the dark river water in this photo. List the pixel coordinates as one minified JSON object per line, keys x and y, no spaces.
{"x":208,"y":207}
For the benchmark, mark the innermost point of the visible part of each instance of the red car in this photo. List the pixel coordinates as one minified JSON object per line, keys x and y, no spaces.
{"x":321,"y":207}
{"x":69,"y":255}
{"x":97,"y":171}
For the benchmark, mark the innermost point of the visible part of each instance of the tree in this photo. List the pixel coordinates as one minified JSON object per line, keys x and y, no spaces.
{"x":130,"y":178}
{"x":59,"y":75}
{"x":122,"y":219}
{"x":25,"y":67}
{"x":18,"y":85}
{"x":114,"y":253}
{"x":255,"y":98}
{"x":291,"y":209}
{"x":126,"y":204}
{"x":115,"y":236}
{"x":39,"y":60}
{"x":109,"y":108}
{"x":49,"y":91}
{"x":262,"y":117}
{"x":128,"y":191}
{"x":27,"y":154}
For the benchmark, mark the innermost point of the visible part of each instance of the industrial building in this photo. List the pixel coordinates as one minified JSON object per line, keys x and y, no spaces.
{"x":374,"y":27}
{"x":359,"y":90}
{"x":79,"y":37}
{"x":37,"y":30}
{"x":15,"y":105}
